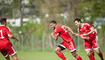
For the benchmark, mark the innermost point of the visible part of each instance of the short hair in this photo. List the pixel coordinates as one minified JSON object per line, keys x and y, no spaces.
{"x":53,"y":21}
{"x":3,"y":20}
{"x":77,"y":19}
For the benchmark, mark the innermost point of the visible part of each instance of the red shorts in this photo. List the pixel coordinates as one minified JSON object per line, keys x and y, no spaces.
{"x":69,"y":45}
{"x":7,"y":49}
{"x":89,"y":44}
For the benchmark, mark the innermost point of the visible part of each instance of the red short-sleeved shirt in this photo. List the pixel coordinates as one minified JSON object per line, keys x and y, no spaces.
{"x":4,"y":39}
{"x":59,"y":30}
{"x":86,"y":28}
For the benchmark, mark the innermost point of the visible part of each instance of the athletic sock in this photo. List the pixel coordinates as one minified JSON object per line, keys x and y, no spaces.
{"x":91,"y":57}
{"x":101,"y":56}
{"x":61,"y":55}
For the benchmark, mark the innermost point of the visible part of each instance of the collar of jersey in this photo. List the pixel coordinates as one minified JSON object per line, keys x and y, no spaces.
{"x":2,"y":25}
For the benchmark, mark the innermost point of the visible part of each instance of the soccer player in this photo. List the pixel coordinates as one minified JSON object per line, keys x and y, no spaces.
{"x":87,"y":32}
{"x":6,"y":47}
{"x":62,"y":31}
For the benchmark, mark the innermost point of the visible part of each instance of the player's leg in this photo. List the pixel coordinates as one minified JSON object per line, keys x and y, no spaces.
{"x":89,"y":51}
{"x":99,"y":53}
{"x":5,"y":54}
{"x":76,"y":55}
{"x":15,"y":57}
{"x":90,"y":55}
{"x":70,"y":46}
{"x":92,"y":52}
{"x":7,"y":58}
{"x":59,"y":53}
{"x":97,"y":50}
{"x":11,"y":51}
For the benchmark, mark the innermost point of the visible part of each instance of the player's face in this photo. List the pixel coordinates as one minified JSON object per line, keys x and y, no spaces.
{"x":52,"y":25}
{"x":77,"y":23}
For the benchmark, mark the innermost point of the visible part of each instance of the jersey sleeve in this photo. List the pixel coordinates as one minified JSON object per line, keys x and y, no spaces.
{"x":8,"y":31}
{"x":57,"y":31}
{"x":88,"y":25}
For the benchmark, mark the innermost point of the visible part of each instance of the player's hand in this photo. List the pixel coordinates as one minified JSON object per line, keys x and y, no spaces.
{"x":52,"y":33}
{"x":84,"y":37}
{"x":15,"y":38}
{"x":75,"y":34}
{"x":97,"y":38}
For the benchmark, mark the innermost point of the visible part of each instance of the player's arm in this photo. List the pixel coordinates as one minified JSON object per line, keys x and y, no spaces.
{"x":97,"y":37}
{"x":91,"y":29}
{"x":81,"y":35}
{"x":84,"y":37}
{"x":70,"y":30}
{"x":12,"y":37}
{"x":55,"y":37}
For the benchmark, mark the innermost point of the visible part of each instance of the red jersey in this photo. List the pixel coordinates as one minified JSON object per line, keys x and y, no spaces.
{"x":59,"y":30}
{"x":86,"y":28}
{"x":4,"y":39}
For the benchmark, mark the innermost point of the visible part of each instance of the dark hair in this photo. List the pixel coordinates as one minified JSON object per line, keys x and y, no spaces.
{"x":78,"y":19}
{"x":53,"y":21}
{"x":3,"y":20}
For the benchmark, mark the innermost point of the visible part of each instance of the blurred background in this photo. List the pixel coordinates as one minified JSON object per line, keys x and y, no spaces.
{"x":29,"y":21}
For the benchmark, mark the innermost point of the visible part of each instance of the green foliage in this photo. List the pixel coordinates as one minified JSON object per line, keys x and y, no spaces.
{"x":92,"y":8}
{"x":31,"y":27}
{"x":30,"y":1}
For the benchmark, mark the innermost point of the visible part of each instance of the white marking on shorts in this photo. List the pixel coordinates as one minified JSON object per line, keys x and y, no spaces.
{"x":6,"y":55}
{"x":62,"y":46}
{"x":87,"y":49}
{"x":14,"y":51}
{"x":72,"y":50}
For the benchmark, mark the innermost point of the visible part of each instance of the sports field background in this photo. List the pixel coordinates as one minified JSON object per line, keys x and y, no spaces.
{"x":49,"y":55}
{"x":29,"y":22}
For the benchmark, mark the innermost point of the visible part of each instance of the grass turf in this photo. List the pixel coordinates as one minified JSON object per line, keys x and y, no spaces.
{"x":47,"y":55}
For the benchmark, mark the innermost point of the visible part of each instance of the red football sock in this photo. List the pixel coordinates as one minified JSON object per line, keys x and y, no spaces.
{"x":61,"y":55}
{"x":101,"y":56}
{"x":78,"y":58}
{"x":91,"y":57}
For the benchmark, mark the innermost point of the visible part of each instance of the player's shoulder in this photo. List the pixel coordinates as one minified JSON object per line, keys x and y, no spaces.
{"x":7,"y":28}
{"x":85,"y":24}
{"x":3,"y":27}
{"x":58,"y":26}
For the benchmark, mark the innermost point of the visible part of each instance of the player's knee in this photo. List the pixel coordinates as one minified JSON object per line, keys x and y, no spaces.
{"x":97,"y":51}
{"x":15,"y":58}
{"x":88,"y":52}
{"x":56,"y":51}
{"x":74,"y":54}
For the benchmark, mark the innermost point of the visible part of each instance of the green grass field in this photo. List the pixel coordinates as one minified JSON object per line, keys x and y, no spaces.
{"x":37,"y":55}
